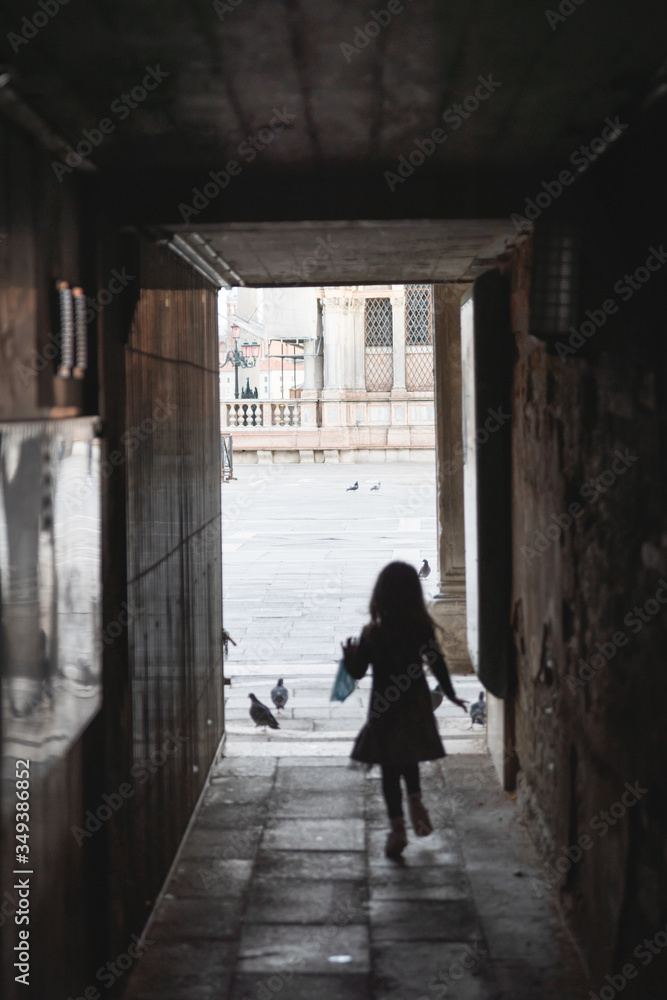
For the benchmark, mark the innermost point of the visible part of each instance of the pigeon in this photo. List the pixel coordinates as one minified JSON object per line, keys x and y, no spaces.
{"x":376,"y":487}
{"x":279,"y":695}
{"x":226,"y":639}
{"x":437,"y":695}
{"x":478,"y":711}
{"x":355,"y":487}
{"x":425,"y":570}
{"x":261,"y":715}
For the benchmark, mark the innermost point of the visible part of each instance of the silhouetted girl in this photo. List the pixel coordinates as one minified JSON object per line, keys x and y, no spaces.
{"x":401,"y":729}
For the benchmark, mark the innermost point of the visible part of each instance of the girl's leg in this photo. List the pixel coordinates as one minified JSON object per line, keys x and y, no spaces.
{"x":411,"y":775}
{"x":418,"y":814}
{"x":391,"y":788}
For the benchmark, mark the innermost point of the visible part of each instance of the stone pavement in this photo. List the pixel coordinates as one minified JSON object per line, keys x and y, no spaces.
{"x":281,"y":888}
{"x":301,"y":554}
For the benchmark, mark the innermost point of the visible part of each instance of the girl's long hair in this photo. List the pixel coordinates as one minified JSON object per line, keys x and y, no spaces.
{"x":397,"y":601}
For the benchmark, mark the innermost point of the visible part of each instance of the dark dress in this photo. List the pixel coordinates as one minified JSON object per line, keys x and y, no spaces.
{"x":400,"y":728}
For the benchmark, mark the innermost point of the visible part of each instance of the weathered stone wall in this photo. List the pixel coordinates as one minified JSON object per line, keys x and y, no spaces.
{"x":592,"y":679}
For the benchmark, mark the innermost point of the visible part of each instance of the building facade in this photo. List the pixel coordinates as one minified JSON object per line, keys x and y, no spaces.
{"x":343,"y":374}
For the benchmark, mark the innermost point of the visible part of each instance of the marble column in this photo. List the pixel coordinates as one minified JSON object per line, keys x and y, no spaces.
{"x":448,"y":606}
{"x":318,"y":366}
{"x":309,"y":397}
{"x":343,"y":321}
{"x":313,"y":360}
{"x":308,"y":369}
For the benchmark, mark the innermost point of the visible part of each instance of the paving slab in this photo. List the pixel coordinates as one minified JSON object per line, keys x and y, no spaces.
{"x":418,"y":884}
{"x":424,"y":920}
{"x":346,"y":865}
{"x":318,"y":949}
{"x":211,"y":917}
{"x":215,"y":810}
{"x":214,"y":837}
{"x":341,"y":779}
{"x":225,"y":769}
{"x":353,"y":986}
{"x":253,"y":748}
{"x":276,"y":900}
{"x":243,"y":814}
{"x":206,"y":875}
{"x":321,"y":834}
{"x":307,"y":761}
{"x":338,"y":805}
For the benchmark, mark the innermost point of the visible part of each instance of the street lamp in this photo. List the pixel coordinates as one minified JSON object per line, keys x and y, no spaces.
{"x":245,"y":358}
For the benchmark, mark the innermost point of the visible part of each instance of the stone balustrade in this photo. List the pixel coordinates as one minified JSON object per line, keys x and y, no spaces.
{"x":392,"y":426}
{"x":250,"y":413}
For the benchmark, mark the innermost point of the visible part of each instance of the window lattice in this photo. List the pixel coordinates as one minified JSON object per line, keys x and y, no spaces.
{"x":418,"y":338}
{"x":418,"y":320}
{"x":379,"y":345}
{"x":378,"y":323}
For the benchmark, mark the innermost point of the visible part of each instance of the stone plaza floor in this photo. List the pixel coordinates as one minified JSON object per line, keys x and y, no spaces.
{"x":281,"y":887}
{"x":301,"y":553}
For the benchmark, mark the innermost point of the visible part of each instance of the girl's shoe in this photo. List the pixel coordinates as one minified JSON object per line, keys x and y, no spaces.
{"x":397,"y":840}
{"x":419,"y":816}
